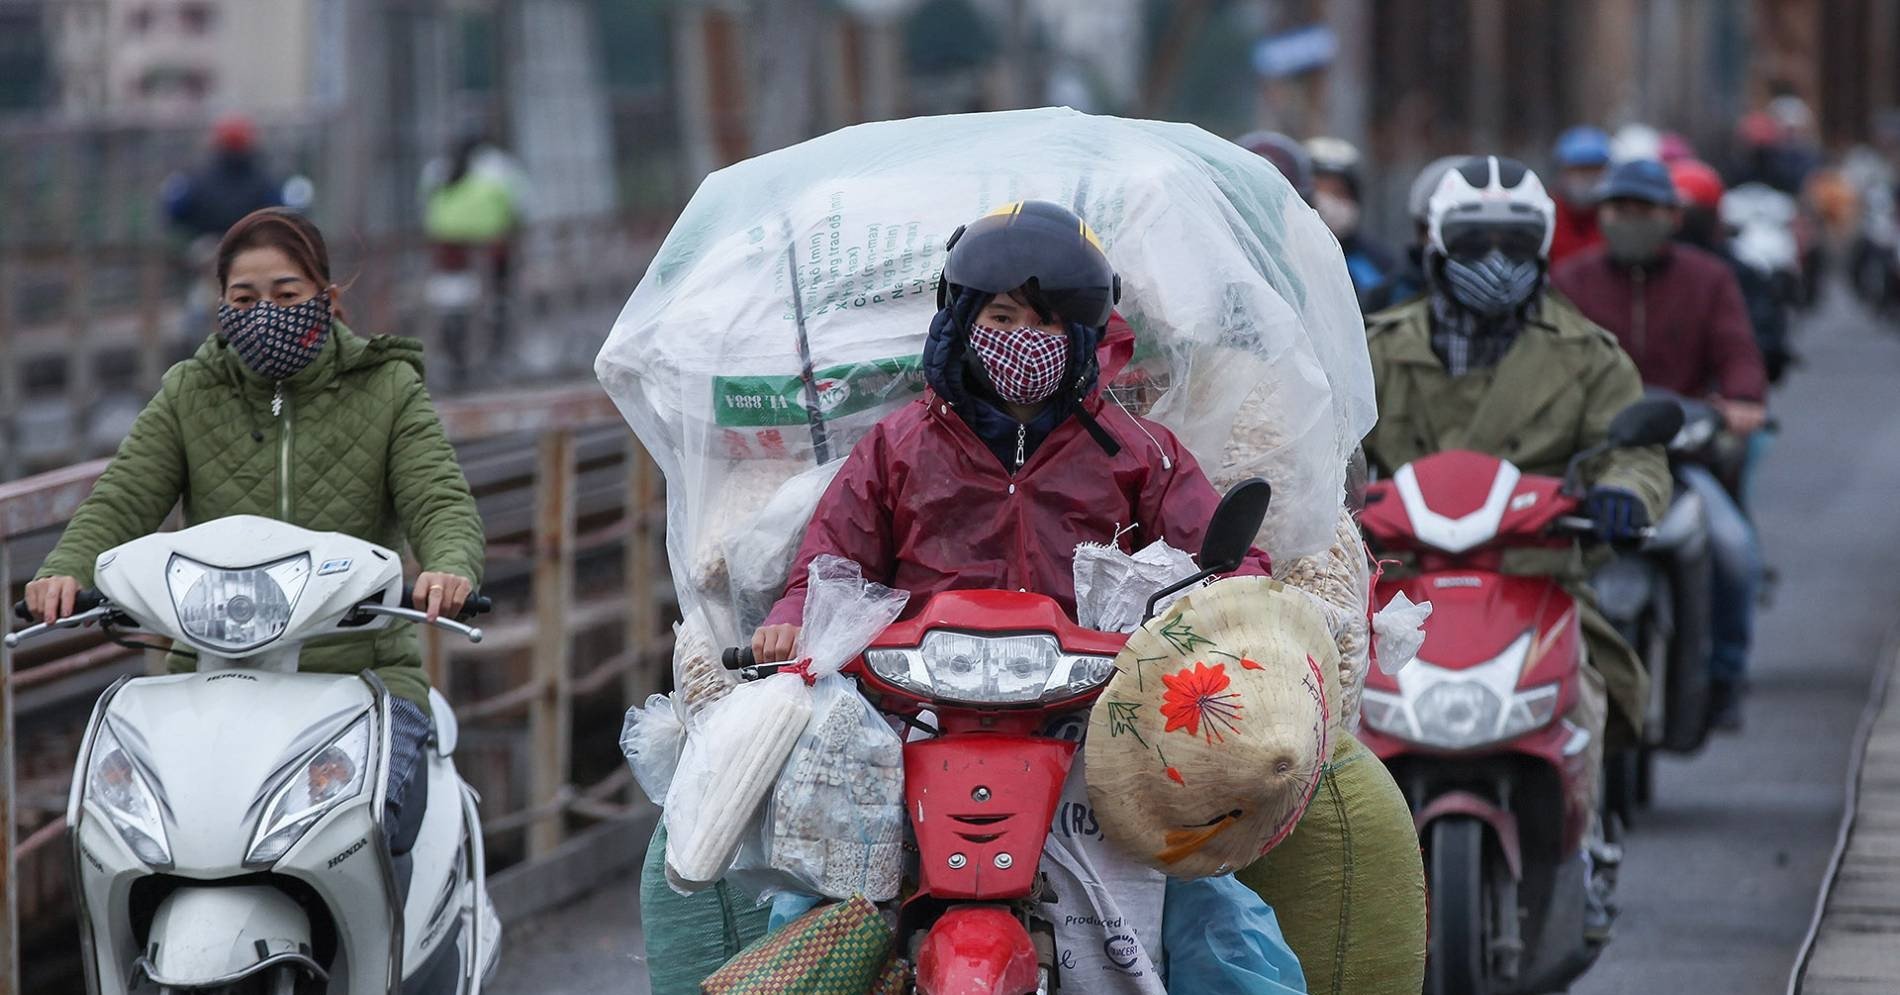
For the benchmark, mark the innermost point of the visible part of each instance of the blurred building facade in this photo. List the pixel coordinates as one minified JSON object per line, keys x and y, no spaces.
{"x":616,"y":108}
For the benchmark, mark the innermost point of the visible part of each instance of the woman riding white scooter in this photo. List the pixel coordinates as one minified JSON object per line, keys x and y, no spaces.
{"x":286,"y":413}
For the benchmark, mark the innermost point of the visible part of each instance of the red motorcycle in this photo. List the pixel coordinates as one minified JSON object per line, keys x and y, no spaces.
{"x":1500,"y":782}
{"x":995,"y":668}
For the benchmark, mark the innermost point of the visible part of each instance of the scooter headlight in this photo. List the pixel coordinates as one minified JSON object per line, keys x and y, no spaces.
{"x":120,"y":788}
{"x":991,"y":670}
{"x":319,"y":783}
{"x":1461,"y":709}
{"x":238,"y":609}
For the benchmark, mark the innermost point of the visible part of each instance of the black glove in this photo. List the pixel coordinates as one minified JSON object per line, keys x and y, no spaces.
{"x":1619,"y":514}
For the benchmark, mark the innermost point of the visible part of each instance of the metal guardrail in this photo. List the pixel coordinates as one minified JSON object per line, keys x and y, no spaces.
{"x":630,"y":513}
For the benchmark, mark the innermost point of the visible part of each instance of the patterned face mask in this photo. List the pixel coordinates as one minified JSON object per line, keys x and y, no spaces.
{"x":1025,"y":364}
{"x":1494,"y":285}
{"x":277,"y":342}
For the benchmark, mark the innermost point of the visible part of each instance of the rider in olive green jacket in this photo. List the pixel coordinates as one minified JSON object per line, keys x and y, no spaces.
{"x":1551,"y":395}
{"x":1492,"y":361}
{"x":348,"y":443}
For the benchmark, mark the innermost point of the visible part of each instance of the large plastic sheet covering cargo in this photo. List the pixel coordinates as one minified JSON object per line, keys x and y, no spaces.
{"x":785,"y":313}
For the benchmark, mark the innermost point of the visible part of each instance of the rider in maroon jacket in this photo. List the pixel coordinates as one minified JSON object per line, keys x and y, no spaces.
{"x":1676,"y":309}
{"x":1013,"y":456}
{"x":1679,"y":313}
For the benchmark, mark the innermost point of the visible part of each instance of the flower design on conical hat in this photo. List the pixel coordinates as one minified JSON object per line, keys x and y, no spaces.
{"x":1209,"y":741}
{"x":1195,"y":701}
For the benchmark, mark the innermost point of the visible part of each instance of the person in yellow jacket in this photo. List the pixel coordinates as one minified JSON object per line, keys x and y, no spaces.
{"x":472,"y":208}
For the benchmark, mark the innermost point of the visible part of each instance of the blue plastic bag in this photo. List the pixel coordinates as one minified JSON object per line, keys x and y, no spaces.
{"x":1218,"y":936}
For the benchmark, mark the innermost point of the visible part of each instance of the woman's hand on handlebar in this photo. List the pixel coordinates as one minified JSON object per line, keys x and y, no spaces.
{"x":51,"y":598}
{"x":441,"y":593}
{"x":774,"y":643}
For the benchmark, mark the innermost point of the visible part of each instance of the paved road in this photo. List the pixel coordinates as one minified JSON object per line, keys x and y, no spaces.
{"x":1722,"y":875}
{"x":1720,"y":879}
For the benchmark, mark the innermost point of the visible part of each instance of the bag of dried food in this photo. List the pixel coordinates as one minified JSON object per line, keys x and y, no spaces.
{"x":836,"y":822}
{"x":738,"y":745}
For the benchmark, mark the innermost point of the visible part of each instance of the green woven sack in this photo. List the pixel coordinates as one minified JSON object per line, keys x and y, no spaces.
{"x":689,"y":936}
{"x":1348,"y":884}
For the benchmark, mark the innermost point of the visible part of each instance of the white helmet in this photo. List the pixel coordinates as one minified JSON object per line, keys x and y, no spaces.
{"x":1495,"y":195}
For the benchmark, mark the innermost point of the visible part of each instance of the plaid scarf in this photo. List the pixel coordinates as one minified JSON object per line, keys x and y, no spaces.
{"x":1464,"y":341}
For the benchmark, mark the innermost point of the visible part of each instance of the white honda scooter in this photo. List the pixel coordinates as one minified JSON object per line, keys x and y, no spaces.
{"x":228,"y":825}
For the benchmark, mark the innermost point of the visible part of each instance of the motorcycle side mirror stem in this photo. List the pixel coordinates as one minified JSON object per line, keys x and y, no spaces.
{"x":1230,"y":534}
{"x":1652,"y":421}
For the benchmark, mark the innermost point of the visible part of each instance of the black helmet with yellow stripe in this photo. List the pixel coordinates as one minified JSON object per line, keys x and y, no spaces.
{"x":1038,"y":244}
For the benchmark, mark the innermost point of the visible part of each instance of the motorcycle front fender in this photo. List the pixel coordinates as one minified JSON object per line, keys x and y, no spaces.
{"x":1502,"y":822}
{"x":203,"y":937}
{"x":976,"y":950}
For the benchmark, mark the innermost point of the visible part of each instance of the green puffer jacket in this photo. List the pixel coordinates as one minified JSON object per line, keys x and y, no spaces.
{"x":354,"y":447}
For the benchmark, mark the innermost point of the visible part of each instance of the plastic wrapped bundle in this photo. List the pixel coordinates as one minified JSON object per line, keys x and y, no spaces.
{"x":1340,"y":579}
{"x":731,"y":760}
{"x":785,"y":312}
{"x":837,"y":817}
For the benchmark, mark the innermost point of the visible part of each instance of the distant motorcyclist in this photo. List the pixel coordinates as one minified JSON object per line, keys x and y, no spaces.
{"x":1336,"y":196}
{"x":232,"y":183}
{"x":1679,"y":312}
{"x":1490,"y":362}
{"x":1581,"y":155}
{"x":1700,"y":188}
{"x":1286,"y":155}
{"x":1408,"y":281}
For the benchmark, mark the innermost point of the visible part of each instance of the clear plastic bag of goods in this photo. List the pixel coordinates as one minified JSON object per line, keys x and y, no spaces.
{"x":785,"y":312}
{"x":737,"y":747}
{"x":1398,"y":632}
{"x":699,"y":670}
{"x":836,"y":822}
{"x":651,"y":738}
{"x":759,"y":554}
{"x":1112,"y":587}
{"x":1340,"y":581}
{"x":734,"y":750}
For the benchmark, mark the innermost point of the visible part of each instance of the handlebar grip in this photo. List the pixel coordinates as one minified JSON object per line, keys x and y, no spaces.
{"x":86,"y":600}
{"x":477,"y":604}
{"x":738,"y":658}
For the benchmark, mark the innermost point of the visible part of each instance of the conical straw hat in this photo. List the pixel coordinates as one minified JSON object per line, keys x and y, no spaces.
{"x":1206,"y":746}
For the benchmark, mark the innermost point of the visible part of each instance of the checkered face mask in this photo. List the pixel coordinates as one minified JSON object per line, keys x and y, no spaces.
{"x":1025,"y":364}
{"x":277,"y":342}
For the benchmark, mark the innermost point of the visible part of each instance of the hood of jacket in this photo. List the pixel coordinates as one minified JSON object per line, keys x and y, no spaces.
{"x":1095,"y":357}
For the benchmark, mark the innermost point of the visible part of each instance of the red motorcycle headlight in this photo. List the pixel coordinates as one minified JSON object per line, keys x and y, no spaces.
{"x":978,"y":669}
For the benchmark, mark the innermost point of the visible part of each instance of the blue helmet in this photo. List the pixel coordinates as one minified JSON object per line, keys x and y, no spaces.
{"x":1583,"y":145}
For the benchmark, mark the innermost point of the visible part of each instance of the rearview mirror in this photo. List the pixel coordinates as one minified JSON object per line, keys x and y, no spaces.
{"x":1649,"y":422}
{"x":1231,"y":532}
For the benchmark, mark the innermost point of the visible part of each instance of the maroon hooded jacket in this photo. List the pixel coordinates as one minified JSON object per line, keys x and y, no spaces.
{"x":1681,"y":318}
{"x":923,"y":505}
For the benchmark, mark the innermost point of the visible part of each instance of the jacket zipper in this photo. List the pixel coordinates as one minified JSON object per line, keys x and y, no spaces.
{"x":279,"y":407}
{"x":1639,"y":318}
{"x":1022,"y":442}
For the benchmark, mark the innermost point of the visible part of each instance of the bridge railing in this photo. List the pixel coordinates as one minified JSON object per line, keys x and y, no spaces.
{"x":576,"y":561}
